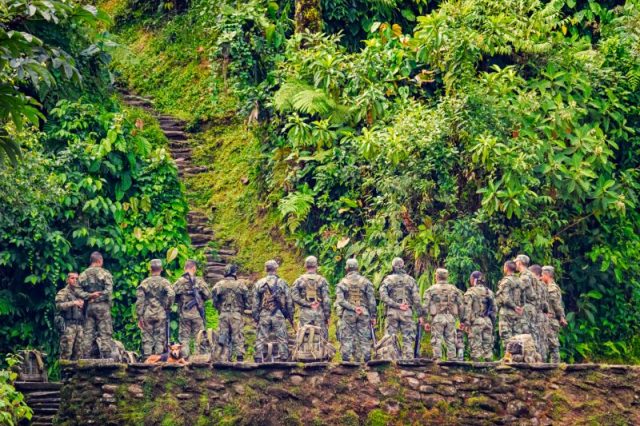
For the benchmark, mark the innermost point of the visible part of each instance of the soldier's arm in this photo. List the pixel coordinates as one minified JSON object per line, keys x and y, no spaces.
{"x":62,"y":304}
{"x":384,"y":295}
{"x":296,"y":296}
{"x":461,"y":307}
{"x":205,"y":292}
{"x":426,"y":304}
{"x":107,"y":293}
{"x":140,"y":296}
{"x":340,"y":299}
{"x":414,"y":294}
{"x":244,"y":297}
{"x":467,"y":301}
{"x":79,"y":290}
{"x":326,"y":300}
{"x":371,"y":299}
{"x":287,"y":298}
{"x":255,"y":309}
{"x":556,"y":300}
{"x":171,"y":295}
{"x":502,"y":296}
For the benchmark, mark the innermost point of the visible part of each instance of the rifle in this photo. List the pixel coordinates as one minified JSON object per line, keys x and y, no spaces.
{"x":278,"y":305}
{"x":416,"y":346}
{"x":490,"y":310}
{"x":373,"y":335}
{"x":168,"y":331}
{"x":197,"y":299}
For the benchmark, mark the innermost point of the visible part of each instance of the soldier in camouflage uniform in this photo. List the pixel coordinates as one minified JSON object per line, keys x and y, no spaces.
{"x":155,"y":296}
{"x":542,"y":309}
{"x":272,"y":307}
{"x":479,"y":316}
{"x":356,"y":305}
{"x":95,"y":287}
{"x":399,"y":292}
{"x":443,"y":306}
{"x":531,"y":299}
{"x":555,"y":314}
{"x":231,"y":299}
{"x":311,"y":293}
{"x":190,"y":290}
{"x":70,"y":307}
{"x":509,"y":301}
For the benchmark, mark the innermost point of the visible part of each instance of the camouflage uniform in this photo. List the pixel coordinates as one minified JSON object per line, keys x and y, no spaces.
{"x":191,"y":321}
{"x":231,"y":299}
{"x":443,"y":303}
{"x":396,"y":289}
{"x":71,"y":339}
{"x":478,"y":301}
{"x":271,"y":319}
{"x":355,"y":336}
{"x":556,"y":309}
{"x":542,"y":320}
{"x":154,"y":299}
{"x":508,"y":297}
{"x":309,"y":288}
{"x":532,"y":305}
{"x":98,"y":326}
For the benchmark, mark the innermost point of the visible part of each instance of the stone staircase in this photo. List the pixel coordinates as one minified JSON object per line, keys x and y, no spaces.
{"x":43,"y":398}
{"x":198,"y":227}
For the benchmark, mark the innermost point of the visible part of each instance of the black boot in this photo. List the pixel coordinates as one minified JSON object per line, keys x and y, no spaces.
{"x":239,"y":358}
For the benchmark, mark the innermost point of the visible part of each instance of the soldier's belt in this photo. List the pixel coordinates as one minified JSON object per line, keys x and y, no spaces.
{"x":73,"y":322}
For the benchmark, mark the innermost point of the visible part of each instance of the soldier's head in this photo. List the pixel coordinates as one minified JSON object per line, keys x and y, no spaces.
{"x":351,"y":265}
{"x":442,"y":274}
{"x":311,"y":264}
{"x":475,"y":278}
{"x":190,"y":266}
{"x":397,"y":264}
{"x":72,"y":279}
{"x":536,"y":270}
{"x":509,"y":267}
{"x":96,"y":259}
{"x":522,"y":262}
{"x":271,"y":266}
{"x":231,"y":270}
{"x":155,"y":266}
{"x":548,"y":274}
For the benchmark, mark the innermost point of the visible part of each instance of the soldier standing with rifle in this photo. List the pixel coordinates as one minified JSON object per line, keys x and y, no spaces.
{"x":399,"y":292}
{"x":154,"y":299}
{"x":272,"y":305}
{"x":70,"y":307}
{"x":479,"y":316}
{"x":311,"y":292}
{"x":191,"y":293}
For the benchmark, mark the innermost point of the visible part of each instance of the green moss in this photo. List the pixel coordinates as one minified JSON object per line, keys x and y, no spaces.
{"x":377,"y":417}
{"x":350,"y":418}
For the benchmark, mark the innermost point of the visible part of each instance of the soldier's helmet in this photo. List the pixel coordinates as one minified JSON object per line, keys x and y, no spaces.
{"x":442,"y":274}
{"x":548,"y":269}
{"x":231,"y":270}
{"x":397,"y":263}
{"x":311,"y":262}
{"x":352,"y":265}
{"x":522,"y":258}
{"x":271,"y":265}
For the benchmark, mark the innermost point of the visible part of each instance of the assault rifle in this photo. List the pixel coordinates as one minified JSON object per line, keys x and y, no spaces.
{"x":278,"y":306}
{"x":197,"y":298}
{"x":490,"y":310}
{"x":416,"y":346}
{"x":373,"y":335}
{"x":168,"y":331}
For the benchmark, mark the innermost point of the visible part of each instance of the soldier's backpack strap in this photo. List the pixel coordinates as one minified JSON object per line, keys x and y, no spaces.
{"x":210,"y":337}
{"x":199,"y":338}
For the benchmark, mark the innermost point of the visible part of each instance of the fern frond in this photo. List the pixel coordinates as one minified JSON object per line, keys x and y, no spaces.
{"x":295,"y":207}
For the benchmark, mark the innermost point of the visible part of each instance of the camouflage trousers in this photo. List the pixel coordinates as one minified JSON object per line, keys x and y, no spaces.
{"x":355,"y":336}
{"x":459,"y":345}
{"x":443,"y":333}
{"x":154,"y":335}
{"x":231,"y":333}
{"x":481,"y":339}
{"x":310,"y":316}
{"x":71,"y":341}
{"x":276,"y":324}
{"x":543,"y":343}
{"x":189,"y":327}
{"x":99,"y":329}
{"x":509,"y":325}
{"x":553,"y":341}
{"x":398,"y":321}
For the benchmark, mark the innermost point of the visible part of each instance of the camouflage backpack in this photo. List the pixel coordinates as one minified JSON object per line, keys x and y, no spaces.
{"x":121,"y":354}
{"x":388,"y":348}
{"x":521,"y":348}
{"x":207,"y":347}
{"x":311,"y":345}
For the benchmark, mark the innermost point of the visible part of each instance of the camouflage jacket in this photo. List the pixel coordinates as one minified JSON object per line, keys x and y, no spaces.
{"x":478,"y":302}
{"x":155,"y":296}
{"x":230,"y":295}
{"x":185,"y":297}
{"x":398,"y":288}
{"x":95,"y":278}
{"x":556,"y":308}
{"x":443,"y":298}
{"x":265,"y":293}
{"x":528,"y":293}
{"x":65,"y":303}
{"x":509,"y":295}
{"x":355,"y":290}
{"x":309,"y":288}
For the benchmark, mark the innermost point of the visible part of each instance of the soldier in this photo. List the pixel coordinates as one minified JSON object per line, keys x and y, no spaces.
{"x":356,"y":302}
{"x":556,"y":313}
{"x":399,"y":292}
{"x":529,"y":298}
{"x":443,"y":304}
{"x":311,"y":292}
{"x":509,"y":300}
{"x":272,"y":306}
{"x":191,"y":293}
{"x":95,"y":287}
{"x":154,"y":299}
{"x":70,"y":307}
{"x":479,"y":316}
{"x":542,"y":308}
{"x":231,"y":299}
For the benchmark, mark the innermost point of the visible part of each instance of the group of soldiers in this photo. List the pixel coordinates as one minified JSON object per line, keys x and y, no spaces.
{"x":527,"y":301}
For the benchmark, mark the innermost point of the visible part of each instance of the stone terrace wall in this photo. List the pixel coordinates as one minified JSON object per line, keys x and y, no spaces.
{"x":417,"y":392}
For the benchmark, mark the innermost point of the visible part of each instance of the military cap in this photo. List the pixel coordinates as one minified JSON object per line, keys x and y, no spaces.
{"x":352,"y":265}
{"x":397,"y":263}
{"x":271,"y":265}
{"x":442,"y":273}
{"x":548,"y":269}
{"x":311,"y":262}
{"x":522,"y":258}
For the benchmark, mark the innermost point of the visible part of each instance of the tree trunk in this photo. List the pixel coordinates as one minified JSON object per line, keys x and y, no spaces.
{"x":308,"y":16}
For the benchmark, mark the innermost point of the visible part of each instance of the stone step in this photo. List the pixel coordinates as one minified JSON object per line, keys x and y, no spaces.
{"x":214,"y":277}
{"x":227,"y":252}
{"x":214,"y":264}
{"x":171,"y":125}
{"x":200,"y":238}
{"x":185,"y":155}
{"x":38,"y":386}
{"x":179,"y":144}
{"x":181,"y":150}
{"x":199,"y":229}
{"x":38,"y":406}
{"x":175,"y":134}
{"x":41,"y":420}
{"x":45,"y":411}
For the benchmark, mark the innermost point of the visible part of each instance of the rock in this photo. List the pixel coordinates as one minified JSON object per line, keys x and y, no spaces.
{"x":135,"y":389}
{"x":446,"y":390}
{"x":370,"y":403}
{"x":107,"y":397}
{"x":238,"y":388}
{"x":109,"y":388}
{"x":296,"y":380}
{"x":427,"y":389}
{"x":276,"y":375}
{"x":407,"y":373}
{"x":387,"y":391}
{"x":430,"y":401}
{"x":184,"y":396}
{"x":392,"y":407}
{"x":214,"y":385}
{"x":517,"y":408}
{"x":411,"y":394}
{"x":373,"y":377}
{"x":413,"y":383}
{"x":484,"y":403}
